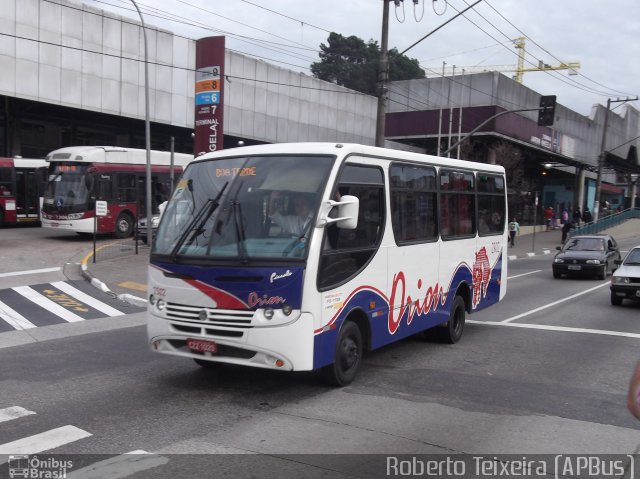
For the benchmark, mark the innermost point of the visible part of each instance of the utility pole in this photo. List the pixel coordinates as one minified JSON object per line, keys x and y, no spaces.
{"x":603,"y":154}
{"x":383,"y":75}
{"x":383,"y":69}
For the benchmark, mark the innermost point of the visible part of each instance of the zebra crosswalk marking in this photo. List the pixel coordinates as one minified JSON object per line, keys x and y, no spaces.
{"x":47,"y":304}
{"x":85,"y":298}
{"x":14,"y":318}
{"x":44,"y":441}
{"x":119,"y":467}
{"x":13,"y":412}
{"x":116,"y":467}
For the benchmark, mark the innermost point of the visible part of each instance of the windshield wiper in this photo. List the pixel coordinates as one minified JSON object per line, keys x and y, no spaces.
{"x":200,"y":219}
{"x":240,"y":231}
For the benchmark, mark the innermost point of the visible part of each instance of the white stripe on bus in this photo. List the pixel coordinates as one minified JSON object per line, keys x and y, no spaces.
{"x":47,"y":304}
{"x":14,"y":318}
{"x":85,"y":298}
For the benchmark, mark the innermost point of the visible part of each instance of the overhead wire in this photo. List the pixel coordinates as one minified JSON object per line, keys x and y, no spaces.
{"x":158,"y":13}
{"x":548,"y":52}
{"x":552,"y":74}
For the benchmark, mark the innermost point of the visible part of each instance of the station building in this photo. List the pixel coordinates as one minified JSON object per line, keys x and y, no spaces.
{"x":556,"y":164}
{"x":72,"y":74}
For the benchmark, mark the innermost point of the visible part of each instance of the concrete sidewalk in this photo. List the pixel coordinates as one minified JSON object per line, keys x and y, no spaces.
{"x":126,"y":276}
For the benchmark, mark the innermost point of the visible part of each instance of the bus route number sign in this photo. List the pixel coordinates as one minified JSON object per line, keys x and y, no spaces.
{"x":101,"y":208}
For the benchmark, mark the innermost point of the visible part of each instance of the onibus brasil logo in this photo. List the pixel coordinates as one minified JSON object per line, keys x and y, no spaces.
{"x":35,"y":468}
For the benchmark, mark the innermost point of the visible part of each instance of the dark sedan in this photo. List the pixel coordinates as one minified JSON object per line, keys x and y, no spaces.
{"x":592,"y":255}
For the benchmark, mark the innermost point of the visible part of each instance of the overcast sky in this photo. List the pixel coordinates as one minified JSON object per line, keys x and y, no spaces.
{"x":602,"y":36}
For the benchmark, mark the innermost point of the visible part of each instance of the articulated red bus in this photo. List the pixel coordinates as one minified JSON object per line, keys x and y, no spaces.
{"x":80,"y":175}
{"x":22,"y":184}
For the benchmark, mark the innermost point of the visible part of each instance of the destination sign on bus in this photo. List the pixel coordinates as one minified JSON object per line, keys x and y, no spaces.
{"x":248,"y":171}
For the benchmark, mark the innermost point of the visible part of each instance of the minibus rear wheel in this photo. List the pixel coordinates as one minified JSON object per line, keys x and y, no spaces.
{"x":451,"y":331}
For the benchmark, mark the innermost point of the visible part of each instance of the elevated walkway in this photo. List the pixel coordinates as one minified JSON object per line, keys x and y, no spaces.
{"x":608,"y":222}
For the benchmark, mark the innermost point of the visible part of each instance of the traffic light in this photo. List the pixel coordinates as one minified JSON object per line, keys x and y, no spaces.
{"x":547,"y":111}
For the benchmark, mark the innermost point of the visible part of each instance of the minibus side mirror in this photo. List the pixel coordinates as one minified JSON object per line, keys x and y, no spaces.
{"x":348,"y":208}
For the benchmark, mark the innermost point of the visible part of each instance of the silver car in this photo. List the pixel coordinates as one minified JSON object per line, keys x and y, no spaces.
{"x":625,"y":282}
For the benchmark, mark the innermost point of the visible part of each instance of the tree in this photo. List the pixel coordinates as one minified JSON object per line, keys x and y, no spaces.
{"x":352,"y":63}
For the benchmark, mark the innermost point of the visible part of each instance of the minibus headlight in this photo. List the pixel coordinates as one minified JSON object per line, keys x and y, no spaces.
{"x":287,"y":309}
{"x":152,"y":299}
{"x":160,"y":305}
{"x":268,"y":313}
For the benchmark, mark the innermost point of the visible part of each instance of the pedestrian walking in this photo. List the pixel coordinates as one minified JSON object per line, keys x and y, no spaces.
{"x":565,"y":231}
{"x":548,"y":217}
{"x":514,"y":229}
{"x":577,"y":216}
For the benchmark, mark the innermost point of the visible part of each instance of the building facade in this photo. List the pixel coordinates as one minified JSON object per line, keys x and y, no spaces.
{"x":557,"y":164}
{"x":73,"y":74}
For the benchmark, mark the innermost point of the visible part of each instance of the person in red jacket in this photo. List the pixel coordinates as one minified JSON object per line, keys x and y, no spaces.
{"x":548,"y":217}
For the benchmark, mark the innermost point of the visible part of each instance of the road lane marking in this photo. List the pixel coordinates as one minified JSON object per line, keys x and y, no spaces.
{"x":85,"y":298}
{"x":30,"y":271}
{"x":524,"y":274}
{"x":13,"y":412}
{"x":14,"y":318}
{"x":44,"y":441}
{"x":47,"y":304}
{"x":546,"y":306}
{"x":120,"y":466}
{"x":568,"y":329}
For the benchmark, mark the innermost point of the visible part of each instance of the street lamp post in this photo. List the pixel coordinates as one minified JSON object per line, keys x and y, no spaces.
{"x":147,"y":127}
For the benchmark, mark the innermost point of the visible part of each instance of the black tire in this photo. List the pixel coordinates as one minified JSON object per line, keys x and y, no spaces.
{"x":616,"y":300}
{"x":348,"y":356}
{"x":603,"y":274}
{"x":1,"y":217}
{"x":124,"y":225}
{"x":556,"y":274}
{"x":452,"y":330}
{"x":212,"y":365}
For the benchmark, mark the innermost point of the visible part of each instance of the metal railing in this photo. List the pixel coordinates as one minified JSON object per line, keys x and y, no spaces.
{"x":606,"y":222}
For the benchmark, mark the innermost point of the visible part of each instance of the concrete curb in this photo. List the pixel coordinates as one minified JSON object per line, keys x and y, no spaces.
{"x":529,"y":255}
{"x":96,"y":283}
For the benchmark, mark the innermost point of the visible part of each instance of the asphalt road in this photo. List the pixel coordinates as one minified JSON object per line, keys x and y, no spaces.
{"x":545,"y":371}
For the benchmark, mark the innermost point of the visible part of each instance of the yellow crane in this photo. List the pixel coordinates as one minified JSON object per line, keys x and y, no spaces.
{"x":519,"y":69}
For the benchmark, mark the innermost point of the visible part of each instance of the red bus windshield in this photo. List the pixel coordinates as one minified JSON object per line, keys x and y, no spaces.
{"x":66,"y":189}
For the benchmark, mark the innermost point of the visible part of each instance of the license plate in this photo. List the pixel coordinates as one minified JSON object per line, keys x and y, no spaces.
{"x":574,"y":267}
{"x":202,"y":346}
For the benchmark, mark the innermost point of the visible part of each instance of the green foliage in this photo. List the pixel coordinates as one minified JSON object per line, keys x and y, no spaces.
{"x":352,"y":63}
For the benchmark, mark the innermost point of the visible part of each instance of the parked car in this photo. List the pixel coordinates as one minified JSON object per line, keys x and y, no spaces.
{"x":625,"y":282}
{"x":141,"y":232}
{"x":588,"y":255}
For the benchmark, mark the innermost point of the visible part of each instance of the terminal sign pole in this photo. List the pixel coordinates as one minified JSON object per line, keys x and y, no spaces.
{"x":101,"y":210}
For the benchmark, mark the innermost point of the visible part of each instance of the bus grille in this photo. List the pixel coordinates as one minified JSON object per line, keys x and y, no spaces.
{"x":218,"y":317}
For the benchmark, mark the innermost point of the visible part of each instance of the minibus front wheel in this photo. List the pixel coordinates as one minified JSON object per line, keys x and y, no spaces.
{"x":348,"y":356}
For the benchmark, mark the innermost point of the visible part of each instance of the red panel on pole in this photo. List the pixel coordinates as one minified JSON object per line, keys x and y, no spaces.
{"x":209,"y":95}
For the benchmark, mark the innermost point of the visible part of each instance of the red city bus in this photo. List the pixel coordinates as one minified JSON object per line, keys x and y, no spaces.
{"x":22,"y":184}
{"x":80,"y":175}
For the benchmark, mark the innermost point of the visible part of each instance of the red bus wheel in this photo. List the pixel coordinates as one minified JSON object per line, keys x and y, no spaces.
{"x":124,"y":225}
